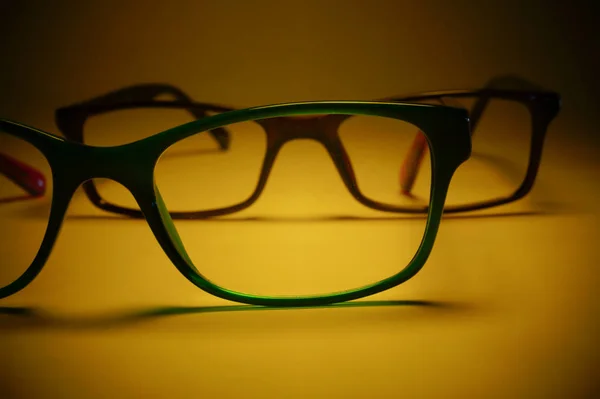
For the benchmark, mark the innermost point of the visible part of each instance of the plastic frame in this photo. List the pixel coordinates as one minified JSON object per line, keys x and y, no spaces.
{"x":132,"y":165}
{"x":542,"y":105}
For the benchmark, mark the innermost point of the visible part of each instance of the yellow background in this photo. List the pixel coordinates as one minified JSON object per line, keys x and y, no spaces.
{"x":515,"y":288}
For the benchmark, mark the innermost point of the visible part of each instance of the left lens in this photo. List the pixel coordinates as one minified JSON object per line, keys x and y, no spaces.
{"x":194,"y":175}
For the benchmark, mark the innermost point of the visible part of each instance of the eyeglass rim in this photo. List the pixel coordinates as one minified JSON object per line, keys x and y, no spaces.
{"x":446,"y":128}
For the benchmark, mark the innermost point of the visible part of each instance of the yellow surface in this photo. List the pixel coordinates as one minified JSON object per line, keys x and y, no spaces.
{"x":514,"y":289}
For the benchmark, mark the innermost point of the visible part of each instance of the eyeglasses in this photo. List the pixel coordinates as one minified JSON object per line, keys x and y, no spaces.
{"x":219,"y":163}
{"x":509,"y":119}
{"x":173,"y":175}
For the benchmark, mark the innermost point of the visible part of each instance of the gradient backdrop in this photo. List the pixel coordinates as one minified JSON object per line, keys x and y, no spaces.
{"x":514,"y":288}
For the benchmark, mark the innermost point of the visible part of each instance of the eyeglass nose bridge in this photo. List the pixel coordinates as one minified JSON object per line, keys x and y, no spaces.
{"x":321,"y":128}
{"x":124,"y":164}
{"x":285,"y":129}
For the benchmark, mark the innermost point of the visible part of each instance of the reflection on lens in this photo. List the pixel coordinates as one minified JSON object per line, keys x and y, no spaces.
{"x":25,"y":201}
{"x":313,"y":254}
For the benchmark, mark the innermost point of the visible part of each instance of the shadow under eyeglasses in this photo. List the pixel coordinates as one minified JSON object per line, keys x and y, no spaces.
{"x":550,"y":209}
{"x":24,"y":318}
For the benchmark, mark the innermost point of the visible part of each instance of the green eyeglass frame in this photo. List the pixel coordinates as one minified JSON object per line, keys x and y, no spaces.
{"x":445,"y":128}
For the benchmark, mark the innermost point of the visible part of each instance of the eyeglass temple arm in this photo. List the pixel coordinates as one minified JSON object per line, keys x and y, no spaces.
{"x":23,"y":175}
{"x":145,"y":93}
{"x":412,"y":162}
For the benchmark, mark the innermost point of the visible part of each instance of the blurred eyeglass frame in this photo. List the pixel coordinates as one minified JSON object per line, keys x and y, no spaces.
{"x":542,"y":105}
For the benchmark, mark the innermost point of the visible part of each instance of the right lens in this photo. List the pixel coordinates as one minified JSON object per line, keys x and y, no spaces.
{"x":279,"y":257}
{"x":501,"y":143}
{"x":25,"y":202}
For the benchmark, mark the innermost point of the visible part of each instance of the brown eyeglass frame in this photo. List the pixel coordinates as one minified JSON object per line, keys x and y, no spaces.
{"x":542,"y":105}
